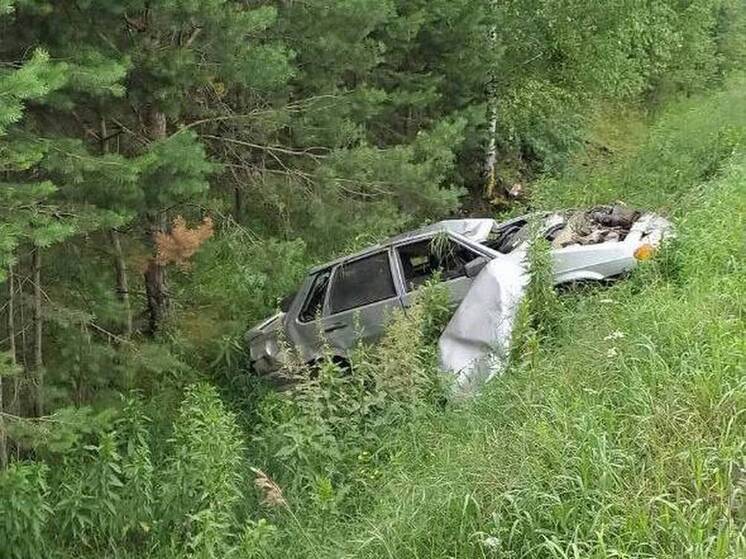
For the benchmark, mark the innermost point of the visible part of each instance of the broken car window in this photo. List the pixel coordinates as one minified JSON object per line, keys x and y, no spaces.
{"x":315,"y":299}
{"x":507,"y":238}
{"x":422,"y":259}
{"x":362,"y":282}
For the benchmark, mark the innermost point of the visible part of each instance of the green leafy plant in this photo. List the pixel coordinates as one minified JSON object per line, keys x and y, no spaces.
{"x":256,"y":540}
{"x":202,"y":480}
{"x":25,"y":511}
{"x":539,"y":316}
{"x":328,"y":431}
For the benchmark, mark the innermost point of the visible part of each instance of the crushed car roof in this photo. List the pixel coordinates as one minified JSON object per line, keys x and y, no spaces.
{"x":475,"y":229}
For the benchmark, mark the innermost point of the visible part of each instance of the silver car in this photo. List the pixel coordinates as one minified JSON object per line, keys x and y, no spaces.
{"x":348,"y":300}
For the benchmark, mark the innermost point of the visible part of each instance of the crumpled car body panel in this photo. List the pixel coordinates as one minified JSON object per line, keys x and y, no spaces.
{"x":476,"y":340}
{"x":474,"y":345}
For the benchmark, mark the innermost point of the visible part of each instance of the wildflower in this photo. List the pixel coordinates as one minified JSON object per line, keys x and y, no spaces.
{"x":611,"y":353}
{"x":491,"y":542}
{"x":616,"y":335}
{"x":271,"y":493}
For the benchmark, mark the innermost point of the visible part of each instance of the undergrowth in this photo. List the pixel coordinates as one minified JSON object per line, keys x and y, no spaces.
{"x":325,"y":443}
{"x":618,"y":430}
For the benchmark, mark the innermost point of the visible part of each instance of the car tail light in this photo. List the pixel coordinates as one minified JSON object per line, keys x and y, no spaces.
{"x":644,"y":252}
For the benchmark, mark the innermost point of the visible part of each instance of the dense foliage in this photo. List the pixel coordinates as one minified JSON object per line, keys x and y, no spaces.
{"x":170,"y":168}
{"x":620,"y":434}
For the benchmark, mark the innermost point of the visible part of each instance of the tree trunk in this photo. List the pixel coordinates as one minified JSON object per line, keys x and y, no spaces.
{"x":490,"y":159}
{"x":14,"y":407}
{"x":155,"y":274}
{"x":3,"y":436}
{"x":155,"y":287}
{"x":38,"y":363}
{"x":122,"y":284}
{"x":120,"y":266}
{"x":237,"y":203}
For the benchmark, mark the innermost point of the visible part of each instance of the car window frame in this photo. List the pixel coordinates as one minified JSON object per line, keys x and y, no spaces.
{"x":310,"y":281}
{"x":476,"y":248}
{"x":395,"y":279}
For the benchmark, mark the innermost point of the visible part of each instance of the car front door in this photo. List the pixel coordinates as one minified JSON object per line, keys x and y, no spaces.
{"x":362,"y":295}
{"x":421,"y":259}
{"x":304,"y":329}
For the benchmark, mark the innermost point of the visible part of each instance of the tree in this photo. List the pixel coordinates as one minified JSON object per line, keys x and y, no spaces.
{"x":381,"y":122}
{"x":560,"y":60}
{"x":156,"y":67}
{"x":26,"y":215}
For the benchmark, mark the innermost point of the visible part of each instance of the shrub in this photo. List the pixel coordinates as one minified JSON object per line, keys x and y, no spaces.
{"x":403,"y":365}
{"x":538,"y":317}
{"x":25,"y":510}
{"x":256,"y":539}
{"x":88,"y":489}
{"x":102,"y":485}
{"x":202,"y":481}
{"x":328,"y":436}
{"x":135,"y":517}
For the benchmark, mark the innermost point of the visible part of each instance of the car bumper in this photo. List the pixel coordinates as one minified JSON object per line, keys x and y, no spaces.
{"x":265,"y":365}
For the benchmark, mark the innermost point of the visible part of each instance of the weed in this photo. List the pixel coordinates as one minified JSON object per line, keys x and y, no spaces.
{"x":25,"y":511}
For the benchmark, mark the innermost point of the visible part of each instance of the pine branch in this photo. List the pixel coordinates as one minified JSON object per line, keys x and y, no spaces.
{"x":271,"y":149}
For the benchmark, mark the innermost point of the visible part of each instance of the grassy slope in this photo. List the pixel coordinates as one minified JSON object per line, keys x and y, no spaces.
{"x":624,"y":436}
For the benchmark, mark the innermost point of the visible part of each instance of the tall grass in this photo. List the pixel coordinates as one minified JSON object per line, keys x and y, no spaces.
{"x":624,"y":435}
{"x":685,"y":146}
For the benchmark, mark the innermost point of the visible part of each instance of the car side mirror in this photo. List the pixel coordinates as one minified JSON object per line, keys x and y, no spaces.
{"x":473,"y":268}
{"x":286,"y":301}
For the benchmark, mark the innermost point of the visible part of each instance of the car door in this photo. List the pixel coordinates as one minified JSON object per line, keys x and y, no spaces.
{"x":305,"y":326}
{"x":420,"y":259}
{"x":362,"y":294}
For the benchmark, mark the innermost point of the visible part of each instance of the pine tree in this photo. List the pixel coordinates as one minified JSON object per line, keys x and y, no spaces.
{"x":139,"y":72}
{"x":382,"y":118}
{"x":26,"y":215}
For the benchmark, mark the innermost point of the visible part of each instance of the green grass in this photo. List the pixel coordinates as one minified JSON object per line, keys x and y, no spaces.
{"x":625,"y":434}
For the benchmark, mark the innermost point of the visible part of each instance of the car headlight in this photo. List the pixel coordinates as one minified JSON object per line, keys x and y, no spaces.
{"x":270,"y":347}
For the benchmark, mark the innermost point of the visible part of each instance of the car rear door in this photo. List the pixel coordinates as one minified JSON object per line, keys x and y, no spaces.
{"x":362,"y":295}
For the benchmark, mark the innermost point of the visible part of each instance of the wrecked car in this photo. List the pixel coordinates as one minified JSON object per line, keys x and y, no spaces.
{"x":349,"y":299}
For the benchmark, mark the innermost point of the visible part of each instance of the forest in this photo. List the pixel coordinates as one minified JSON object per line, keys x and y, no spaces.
{"x":171,"y":169}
